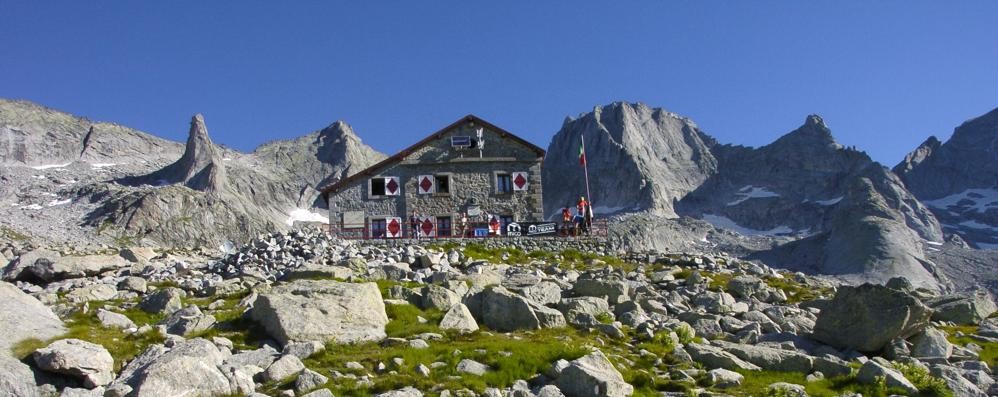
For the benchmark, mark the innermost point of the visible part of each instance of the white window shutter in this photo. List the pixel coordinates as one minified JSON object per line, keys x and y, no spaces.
{"x":393,"y":227}
{"x":425,"y":184}
{"x":520,"y":180}
{"x":392,"y":186}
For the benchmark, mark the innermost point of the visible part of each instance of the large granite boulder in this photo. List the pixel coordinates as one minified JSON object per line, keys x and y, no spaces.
{"x":188,"y":368}
{"x":166,"y":300}
{"x":504,"y":311}
{"x":459,"y":318}
{"x":88,"y":362}
{"x":868,"y":317}
{"x":322,"y":310}
{"x":593,"y":376}
{"x":76,"y":266}
{"x":16,"y":378}
{"x":769,"y":358}
{"x":24,"y":317}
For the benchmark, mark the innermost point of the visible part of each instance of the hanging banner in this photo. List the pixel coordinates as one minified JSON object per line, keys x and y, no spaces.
{"x":520,"y":181}
{"x":529,"y":229}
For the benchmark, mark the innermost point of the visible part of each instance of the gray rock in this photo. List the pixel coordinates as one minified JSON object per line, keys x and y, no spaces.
{"x":769,"y":358}
{"x":92,"y":292}
{"x":580,"y":311}
{"x":550,"y":391}
{"x":969,"y":308}
{"x":787,"y":389}
{"x":931,"y":343}
{"x":304,"y":350}
{"x":308,"y":380}
{"x":872,"y":370}
{"x":404,"y":392}
{"x":714,"y":357}
{"x":68,"y":267}
{"x":459,"y":318}
{"x":505,"y":311}
{"x":78,"y":392}
{"x":190,"y":367}
{"x":166,"y":300}
{"x":188,"y":321}
{"x":957,"y":383}
{"x":135,"y":284}
{"x":473,"y":367}
{"x":745,"y":286}
{"x":593,"y":376}
{"x":23,"y":317}
{"x":88,"y":362}
{"x":868,"y":317}
{"x":614,"y":291}
{"x":283,"y":368}
{"x":138,"y":255}
{"x":17,"y":269}
{"x":321,"y":310}
{"x":720,"y":377}
{"x":319,"y":393}
{"x":437,"y":297}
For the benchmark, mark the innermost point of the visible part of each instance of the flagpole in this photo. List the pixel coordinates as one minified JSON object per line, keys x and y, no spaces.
{"x":585,"y":167}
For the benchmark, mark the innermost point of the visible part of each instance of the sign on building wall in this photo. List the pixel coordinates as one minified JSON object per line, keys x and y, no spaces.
{"x":517,"y":229}
{"x":425,"y":184}
{"x":520,"y":181}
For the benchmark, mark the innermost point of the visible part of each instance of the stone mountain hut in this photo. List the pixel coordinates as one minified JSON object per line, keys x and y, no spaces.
{"x":470,"y":166}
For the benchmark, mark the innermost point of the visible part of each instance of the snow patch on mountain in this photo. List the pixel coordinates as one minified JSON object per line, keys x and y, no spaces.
{"x":750,"y":192}
{"x":979,"y":200}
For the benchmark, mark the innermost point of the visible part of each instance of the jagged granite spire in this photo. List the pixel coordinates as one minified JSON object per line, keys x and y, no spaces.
{"x":200,"y":168}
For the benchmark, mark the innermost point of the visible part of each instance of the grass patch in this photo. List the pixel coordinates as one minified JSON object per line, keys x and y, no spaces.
{"x":757,"y":383}
{"x":989,"y":350}
{"x":122,"y":346}
{"x":12,"y":234}
{"x":513,"y":356}
{"x":797,"y":292}
{"x":404,"y":320}
{"x":719,"y":281}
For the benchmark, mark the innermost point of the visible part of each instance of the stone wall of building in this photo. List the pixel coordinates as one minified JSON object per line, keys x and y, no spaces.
{"x":472,"y":182}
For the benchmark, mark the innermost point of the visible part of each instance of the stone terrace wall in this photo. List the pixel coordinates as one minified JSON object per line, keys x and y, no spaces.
{"x":549,"y":244}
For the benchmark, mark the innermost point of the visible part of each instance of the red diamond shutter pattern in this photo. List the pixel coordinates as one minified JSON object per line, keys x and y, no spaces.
{"x":520,"y":181}
{"x":392,"y":186}
{"x":425,"y":184}
{"x":427,"y":226}
{"x":394,"y":227}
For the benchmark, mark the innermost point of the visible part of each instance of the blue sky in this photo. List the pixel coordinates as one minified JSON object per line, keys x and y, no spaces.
{"x":884,"y":75}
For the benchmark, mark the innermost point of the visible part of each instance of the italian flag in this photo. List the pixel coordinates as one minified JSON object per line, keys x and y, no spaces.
{"x":582,"y":153}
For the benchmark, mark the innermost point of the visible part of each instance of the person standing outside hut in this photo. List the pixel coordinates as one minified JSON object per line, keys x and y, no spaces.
{"x":566,"y":221}
{"x":464,"y":224}
{"x":414,"y":225}
{"x":582,"y":210}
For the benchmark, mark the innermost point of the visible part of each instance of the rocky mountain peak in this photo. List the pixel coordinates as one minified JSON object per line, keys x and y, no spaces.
{"x":813,"y":133}
{"x":916,"y":157}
